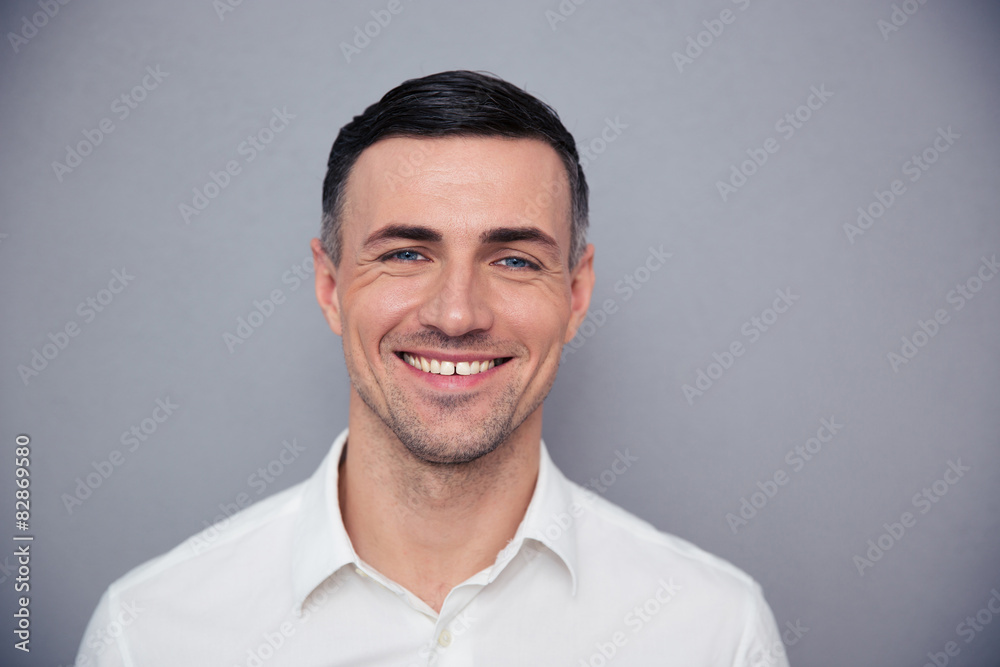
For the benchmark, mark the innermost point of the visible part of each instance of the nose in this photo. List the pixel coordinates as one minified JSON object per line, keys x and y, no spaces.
{"x":458,"y":302}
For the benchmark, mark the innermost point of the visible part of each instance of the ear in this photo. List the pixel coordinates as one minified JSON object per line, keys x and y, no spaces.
{"x":326,"y":286}
{"x":581,"y":288}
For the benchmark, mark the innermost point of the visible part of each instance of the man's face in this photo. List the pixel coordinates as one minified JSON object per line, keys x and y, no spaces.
{"x":454,"y":260}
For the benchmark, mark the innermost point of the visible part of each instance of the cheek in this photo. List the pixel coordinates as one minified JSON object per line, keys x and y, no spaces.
{"x":373,"y":312}
{"x":537,"y":325}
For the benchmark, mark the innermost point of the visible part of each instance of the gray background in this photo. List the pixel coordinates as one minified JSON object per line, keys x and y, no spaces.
{"x":653,"y":185}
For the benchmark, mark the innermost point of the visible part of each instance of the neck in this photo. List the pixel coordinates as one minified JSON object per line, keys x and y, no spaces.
{"x":431,"y":526}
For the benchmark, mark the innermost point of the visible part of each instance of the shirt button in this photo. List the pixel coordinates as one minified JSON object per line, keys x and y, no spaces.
{"x":360,"y":572}
{"x":444,"y":639}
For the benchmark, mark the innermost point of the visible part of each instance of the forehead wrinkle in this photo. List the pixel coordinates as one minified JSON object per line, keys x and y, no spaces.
{"x":460,"y":180}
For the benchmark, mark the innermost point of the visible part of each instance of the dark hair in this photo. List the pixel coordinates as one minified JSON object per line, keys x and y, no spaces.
{"x":457,"y":103}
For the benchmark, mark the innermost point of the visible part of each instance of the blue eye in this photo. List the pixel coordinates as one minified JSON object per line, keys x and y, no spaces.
{"x":405,"y":255}
{"x":517,"y":263}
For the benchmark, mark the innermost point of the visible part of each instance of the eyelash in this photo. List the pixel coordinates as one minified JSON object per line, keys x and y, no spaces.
{"x":394,"y":255}
{"x":528,"y":264}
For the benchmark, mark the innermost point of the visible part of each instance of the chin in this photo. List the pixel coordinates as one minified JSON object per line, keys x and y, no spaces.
{"x":447,"y":447}
{"x":448,"y":429}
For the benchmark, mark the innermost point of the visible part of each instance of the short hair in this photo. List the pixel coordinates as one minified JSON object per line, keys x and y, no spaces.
{"x":446,"y":104}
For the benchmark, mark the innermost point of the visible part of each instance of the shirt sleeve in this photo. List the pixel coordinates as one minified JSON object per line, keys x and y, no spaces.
{"x":761,"y":645}
{"x":100,"y":646}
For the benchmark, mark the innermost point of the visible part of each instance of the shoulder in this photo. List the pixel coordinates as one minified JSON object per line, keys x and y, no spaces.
{"x":224,"y":549}
{"x":189,"y":588}
{"x":631,"y":575}
{"x":611,"y":537}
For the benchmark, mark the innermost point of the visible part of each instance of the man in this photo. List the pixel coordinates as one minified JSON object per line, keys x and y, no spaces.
{"x":453,"y":264}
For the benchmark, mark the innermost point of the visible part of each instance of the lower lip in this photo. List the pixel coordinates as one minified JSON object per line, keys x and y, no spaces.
{"x":452,"y":382}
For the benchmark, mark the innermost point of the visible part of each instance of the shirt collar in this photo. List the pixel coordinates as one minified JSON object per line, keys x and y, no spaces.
{"x":322,"y":546}
{"x":321,"y":543}
{"x":550,"y":518}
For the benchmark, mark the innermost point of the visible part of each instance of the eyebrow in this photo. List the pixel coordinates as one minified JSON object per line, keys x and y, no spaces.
{"x":490,"y":236}
{"x":511,"y":234}
{"x":408,"y":232}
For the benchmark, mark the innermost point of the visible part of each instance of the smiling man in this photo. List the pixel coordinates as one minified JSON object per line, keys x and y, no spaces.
{"x":454,"y":266}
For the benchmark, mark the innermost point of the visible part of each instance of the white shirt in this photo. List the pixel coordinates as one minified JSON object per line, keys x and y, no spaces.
{"x":583,"y":583}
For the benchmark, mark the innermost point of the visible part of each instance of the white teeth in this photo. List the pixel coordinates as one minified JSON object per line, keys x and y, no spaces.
{"x":438,"y":367}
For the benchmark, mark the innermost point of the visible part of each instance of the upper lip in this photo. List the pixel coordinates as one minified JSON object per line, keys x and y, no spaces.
{"x":454,"y":357}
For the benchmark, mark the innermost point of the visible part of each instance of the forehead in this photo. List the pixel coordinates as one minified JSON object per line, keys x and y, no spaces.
{"x":459,"y":181}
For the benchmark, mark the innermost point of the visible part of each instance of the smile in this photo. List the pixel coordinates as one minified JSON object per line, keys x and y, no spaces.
{"x":437,"y":367}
